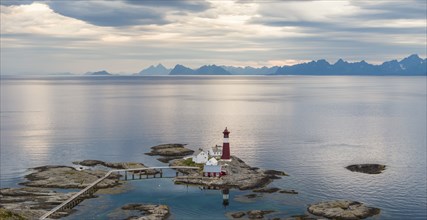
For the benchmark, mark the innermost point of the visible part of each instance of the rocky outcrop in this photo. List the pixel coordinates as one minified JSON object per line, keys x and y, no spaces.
{"x":31,"y":203}
{"x":119,"y":165}
{"x":343,"y":209}
{"x":286,"y":191}
{"x":148,"y":211}
{"x":367,"y":168}
{"x":252,"y":214}
{"x":266,"y":190}
{"x":239,"y":175}
{"x":9,"y":215}
{"x":67,"y":177}
{"x":170,"y":150}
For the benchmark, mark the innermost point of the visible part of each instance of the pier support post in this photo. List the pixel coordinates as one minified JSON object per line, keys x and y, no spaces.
{"x":133,"y":176}
{"x":177,"y":173}
{"x":161,"y":173}
{"x":126,"y":175}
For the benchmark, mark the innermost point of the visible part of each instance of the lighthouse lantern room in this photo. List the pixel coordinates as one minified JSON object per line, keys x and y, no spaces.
{"x":226,"y":146}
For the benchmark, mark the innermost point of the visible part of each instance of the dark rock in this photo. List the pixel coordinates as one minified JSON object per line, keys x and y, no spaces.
{"x":288,"y":191}
{"x":275,"y":172}
{"x":367,"y":168}
{"x":258,"y":214}
{"x":238,"y":214}
{"x":266,"y":190}
{"x":168,"y":159}
{"x":251,"y":196}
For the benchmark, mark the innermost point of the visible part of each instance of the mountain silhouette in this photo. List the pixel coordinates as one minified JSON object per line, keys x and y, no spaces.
{"x":203,"y":70}
{"x":155,"y":70}
{"x":411,"y":66}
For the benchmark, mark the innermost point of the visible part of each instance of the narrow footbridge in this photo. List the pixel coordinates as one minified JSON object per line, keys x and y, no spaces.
{"x":79,"y":196}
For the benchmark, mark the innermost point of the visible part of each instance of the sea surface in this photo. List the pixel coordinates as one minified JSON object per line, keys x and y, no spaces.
{"x":309,"y":127}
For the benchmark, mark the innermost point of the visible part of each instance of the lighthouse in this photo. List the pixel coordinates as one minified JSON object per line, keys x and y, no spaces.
{"x":225,"y":146}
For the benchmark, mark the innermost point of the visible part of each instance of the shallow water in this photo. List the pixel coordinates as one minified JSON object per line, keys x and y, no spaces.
{"x":310,"y":127}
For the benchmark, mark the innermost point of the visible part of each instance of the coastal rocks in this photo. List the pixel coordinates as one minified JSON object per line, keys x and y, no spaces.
{"x":239,"y":175}
{"x":367,"y":168}
{"x":9,"y":215}
{"x":68,"y":177}
{"x":30,"y":203}
{"x":119,"y":165}
{"x":149,"y":211}
{"x":252,"y":214}
{"x":343,"y":209}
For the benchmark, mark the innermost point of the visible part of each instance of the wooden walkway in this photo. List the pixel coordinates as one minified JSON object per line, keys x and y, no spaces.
{"x":76,"y":198}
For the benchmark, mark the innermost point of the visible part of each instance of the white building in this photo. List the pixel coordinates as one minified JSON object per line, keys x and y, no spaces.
{"x":200,"y":157}
{"x":212,"y":162}
{"x":215,"y":151}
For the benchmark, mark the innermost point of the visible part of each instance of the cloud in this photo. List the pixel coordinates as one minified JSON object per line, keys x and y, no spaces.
{"x":127,"y":35}
{"x":180,"y":5}
{"x":119,"y":13}
{"x":109,"y":13}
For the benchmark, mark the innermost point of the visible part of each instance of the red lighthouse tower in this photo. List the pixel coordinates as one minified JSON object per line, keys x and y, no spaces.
{"x":225,"y":146}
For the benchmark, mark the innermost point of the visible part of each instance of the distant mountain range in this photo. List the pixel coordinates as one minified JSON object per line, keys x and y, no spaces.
{"x":155,"y":70}
{"x":409,"y":66}
{"x":203,"y":70}
{"x":99,"y":73}
{"x":412,"y":65}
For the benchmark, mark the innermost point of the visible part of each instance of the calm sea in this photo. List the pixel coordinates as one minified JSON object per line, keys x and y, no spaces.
{"x":310,"y":127}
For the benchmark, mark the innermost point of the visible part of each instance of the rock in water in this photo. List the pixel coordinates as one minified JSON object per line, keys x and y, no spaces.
{"x":266,"y":190}
{"x":149,"y":211}
{"x":367,"y":168}
{"x":170,"y":150}
{"x":343,"y":209}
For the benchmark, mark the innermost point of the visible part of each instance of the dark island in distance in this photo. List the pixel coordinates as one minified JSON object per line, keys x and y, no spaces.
{"x":412,"y":65}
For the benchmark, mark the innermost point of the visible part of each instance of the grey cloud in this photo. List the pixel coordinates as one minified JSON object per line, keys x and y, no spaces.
{"x":107,"y":14}
{"x":119,"y":13}
{"x":410,"y":9}
{"x":182,"y":5}
{"x":15,"y":2}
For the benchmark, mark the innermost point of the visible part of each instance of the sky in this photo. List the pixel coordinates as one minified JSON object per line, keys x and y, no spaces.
{"x":125,"y":36}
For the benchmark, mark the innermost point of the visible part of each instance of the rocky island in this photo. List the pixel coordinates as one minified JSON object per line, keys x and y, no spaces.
{"x":169,"y":152}
{"x":343,"y":209}
{"x":367,"y":168}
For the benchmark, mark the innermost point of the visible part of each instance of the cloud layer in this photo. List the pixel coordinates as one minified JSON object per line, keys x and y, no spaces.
{"x":128,"y":35}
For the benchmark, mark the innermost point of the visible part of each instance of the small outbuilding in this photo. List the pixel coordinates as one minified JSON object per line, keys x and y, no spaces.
{"x":212,"y":162}
{"x":212,"y":171}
